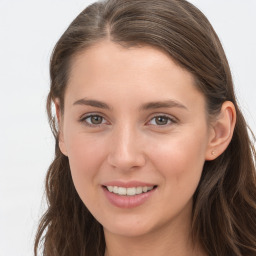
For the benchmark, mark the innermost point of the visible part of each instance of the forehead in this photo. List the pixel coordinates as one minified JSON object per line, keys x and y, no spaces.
{"x":107,"y":68}
{"x":106,"y":54}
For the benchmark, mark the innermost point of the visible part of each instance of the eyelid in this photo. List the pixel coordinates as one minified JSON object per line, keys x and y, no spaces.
{"x":83,"y":118}
{"x":173,"y":119}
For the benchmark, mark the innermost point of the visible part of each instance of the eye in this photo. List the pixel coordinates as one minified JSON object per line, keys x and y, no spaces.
{"x":161,"y":120}
{"x":93,"y":120}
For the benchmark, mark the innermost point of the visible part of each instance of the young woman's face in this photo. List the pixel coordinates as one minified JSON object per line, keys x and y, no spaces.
{"x":135,"y":131}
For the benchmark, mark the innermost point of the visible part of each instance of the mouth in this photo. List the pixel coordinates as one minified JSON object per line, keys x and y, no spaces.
{"x":128,"y":195}
{"x":131,"y":191}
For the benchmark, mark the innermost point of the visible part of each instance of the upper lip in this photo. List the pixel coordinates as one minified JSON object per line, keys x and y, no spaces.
{"x":129,"y":184}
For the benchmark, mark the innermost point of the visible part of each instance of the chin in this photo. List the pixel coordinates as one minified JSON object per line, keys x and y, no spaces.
{"x":128,"y":231}
{"x":132,"y":227}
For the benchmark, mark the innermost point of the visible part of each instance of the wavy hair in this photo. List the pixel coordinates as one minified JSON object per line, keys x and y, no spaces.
{"x":224,"y":204}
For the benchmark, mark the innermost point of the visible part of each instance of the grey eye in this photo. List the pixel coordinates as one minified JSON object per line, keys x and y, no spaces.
{"x":160,"y":120}
{"x":94,"y":119}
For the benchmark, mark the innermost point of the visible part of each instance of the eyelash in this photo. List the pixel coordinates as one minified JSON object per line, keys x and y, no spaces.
{"x":83,"y":120}
{"x":170,"y":120}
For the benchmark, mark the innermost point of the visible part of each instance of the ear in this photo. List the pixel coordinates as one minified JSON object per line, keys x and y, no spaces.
{"x":59,"y":116}
{"x":221,"y":131}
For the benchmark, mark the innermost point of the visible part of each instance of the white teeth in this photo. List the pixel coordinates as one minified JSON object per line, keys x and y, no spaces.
{"x":129,"y":191}
{"x":139,"y":190}
{"x":115,"y":189}
{"x":110,"y":188}
{"x":121,"y":191}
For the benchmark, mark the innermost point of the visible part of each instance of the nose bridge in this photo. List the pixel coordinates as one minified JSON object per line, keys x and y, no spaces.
{"x":126,"y":149}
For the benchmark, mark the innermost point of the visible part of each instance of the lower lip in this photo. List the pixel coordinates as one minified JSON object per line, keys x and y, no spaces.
{"x":128,"y":201}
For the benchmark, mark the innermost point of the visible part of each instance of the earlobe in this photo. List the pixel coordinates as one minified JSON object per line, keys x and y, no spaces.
{"x":62,"y":145}
{"x":221,"y":131}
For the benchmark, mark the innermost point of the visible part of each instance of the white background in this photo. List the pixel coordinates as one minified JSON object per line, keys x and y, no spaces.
{"x":28,"y":32}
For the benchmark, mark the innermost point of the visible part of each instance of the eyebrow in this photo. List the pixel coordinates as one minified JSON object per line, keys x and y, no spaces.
{"x":93,"y":103}
{"x":146,"y":106}
{"x":163,"y":104}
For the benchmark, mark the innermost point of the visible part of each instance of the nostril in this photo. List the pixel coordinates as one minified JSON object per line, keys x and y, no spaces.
{"x":126,"y":161}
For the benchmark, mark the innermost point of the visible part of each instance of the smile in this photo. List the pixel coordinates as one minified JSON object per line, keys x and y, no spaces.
{"x":128,"y":195}
{"x":122,"y":191}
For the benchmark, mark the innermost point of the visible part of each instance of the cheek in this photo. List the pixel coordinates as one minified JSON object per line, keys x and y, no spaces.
{"x":180,"y":163}
{"x":85,"y":158}
{"x":180,"y":160}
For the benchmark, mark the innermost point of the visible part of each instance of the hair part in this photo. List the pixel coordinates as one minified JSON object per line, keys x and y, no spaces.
{"x":224,"y":208}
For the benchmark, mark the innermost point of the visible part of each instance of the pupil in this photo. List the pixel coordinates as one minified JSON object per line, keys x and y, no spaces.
{"x":96,"y":119}
{"x":161,"y":120}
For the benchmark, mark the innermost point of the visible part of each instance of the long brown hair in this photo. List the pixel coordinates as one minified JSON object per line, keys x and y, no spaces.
{"x":224,"y":209}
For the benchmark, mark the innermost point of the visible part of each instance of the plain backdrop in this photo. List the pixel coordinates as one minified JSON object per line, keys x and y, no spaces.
{"x":29,"y":30}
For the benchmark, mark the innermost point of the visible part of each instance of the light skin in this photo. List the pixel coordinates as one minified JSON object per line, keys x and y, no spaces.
{"x":132,"y":114}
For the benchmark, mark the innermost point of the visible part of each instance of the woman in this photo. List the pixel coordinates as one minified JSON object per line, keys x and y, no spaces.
{"x":153,"y":155}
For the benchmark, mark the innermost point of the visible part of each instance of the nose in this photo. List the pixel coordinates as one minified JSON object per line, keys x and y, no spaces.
{"x":126,"y":149}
